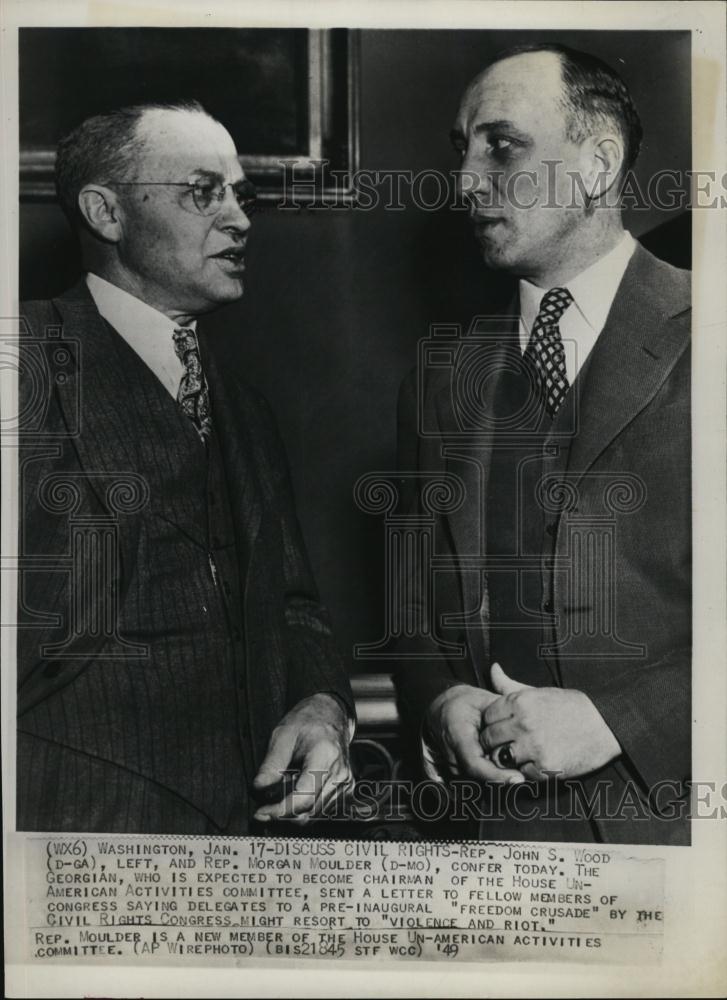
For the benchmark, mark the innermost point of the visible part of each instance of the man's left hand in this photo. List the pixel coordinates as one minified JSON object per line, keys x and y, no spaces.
{"x":312,"y":739}
{"x":550,"y":730}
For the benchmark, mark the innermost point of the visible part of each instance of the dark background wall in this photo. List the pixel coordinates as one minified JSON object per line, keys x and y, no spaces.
{"x":337,"y":300}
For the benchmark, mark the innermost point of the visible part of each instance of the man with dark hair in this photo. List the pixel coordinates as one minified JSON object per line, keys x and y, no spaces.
{"x":174,"y":656}
{"x":554,"y":664}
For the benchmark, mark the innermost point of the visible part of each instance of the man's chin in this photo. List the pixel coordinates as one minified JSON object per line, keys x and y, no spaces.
{"x":228,"y":291}
{"x":215,"y":297}
{"x":492,"y":244}
{"x":495,"y":257}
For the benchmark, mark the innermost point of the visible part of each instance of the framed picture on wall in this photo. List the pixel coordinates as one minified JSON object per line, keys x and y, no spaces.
{"x":288,"y":96}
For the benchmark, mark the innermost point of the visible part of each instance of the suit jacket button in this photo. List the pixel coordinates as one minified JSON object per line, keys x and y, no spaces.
{"x":551,"y":529}
{"x":548,"y":607}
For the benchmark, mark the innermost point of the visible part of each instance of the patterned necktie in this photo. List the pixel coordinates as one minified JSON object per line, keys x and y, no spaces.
{"x":193,"y":395}
{"x":545,"y":347}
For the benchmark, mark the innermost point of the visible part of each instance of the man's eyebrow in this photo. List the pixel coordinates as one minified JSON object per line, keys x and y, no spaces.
{"x":206,"y":173}
{"x":481,"y":128}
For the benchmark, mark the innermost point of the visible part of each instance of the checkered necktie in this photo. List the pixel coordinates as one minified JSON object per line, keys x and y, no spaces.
{"x":545,"y":347}
{"x":193,"y":395}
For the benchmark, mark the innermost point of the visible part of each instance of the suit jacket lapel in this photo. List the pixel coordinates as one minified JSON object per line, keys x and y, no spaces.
{"x":246,"y":482}
{"x":632,"y":357}
{"x":106,"y":441}
{"x":467,"y":428}
{"x":468,"y":453}
{"x":115,"y":417}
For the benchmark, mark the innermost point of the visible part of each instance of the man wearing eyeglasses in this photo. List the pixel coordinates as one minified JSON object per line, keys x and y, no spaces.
{"x":174,"y":657}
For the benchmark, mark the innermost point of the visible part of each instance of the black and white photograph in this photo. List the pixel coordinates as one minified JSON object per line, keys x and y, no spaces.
{"x":363,"y":499}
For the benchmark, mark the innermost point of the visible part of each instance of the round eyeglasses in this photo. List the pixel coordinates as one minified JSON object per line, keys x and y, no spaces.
{"x":208,"y":194}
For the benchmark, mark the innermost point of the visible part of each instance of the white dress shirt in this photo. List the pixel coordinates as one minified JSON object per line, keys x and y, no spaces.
{"x":147,"y":331}
{"x":593,"y":292}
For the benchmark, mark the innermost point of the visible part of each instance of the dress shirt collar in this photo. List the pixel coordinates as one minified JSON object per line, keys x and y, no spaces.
{"x":146,"y":330}
{"x":593,"y":290}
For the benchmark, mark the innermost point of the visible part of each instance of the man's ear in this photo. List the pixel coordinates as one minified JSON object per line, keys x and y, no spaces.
{"x":100,"y":209}
{"x":604,"y":157}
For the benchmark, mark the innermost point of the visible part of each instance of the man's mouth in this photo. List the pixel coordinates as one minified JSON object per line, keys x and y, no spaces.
{"x":235,"y":255}
{"x":485,"y":220}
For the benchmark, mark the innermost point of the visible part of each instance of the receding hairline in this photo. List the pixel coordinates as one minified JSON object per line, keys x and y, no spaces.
{"x":159,"y":110}
{"x":507,"y":57}
{"x":111,"y":145}
{"x":148,"y":115}
{"x":148,"y":130}
{"x":565,"y":58}
{"x":512,"y":57}
{"x":560,"y":100}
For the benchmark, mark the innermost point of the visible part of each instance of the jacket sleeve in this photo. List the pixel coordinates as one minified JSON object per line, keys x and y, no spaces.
{"x":649,"y":711}
{"x":422,"y":671}
{"x":314,"y":663}
{"x":45,"y":449}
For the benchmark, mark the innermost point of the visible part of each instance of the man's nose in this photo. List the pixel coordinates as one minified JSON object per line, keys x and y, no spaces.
{"x":231,"y":214}
{"x":474,"y":184}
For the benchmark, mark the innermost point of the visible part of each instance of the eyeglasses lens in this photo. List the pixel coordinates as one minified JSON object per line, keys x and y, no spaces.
{"x":208,"y":197}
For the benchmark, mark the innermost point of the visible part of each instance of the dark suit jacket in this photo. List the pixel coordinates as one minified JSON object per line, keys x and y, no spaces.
{"x":80,"y":419}
{"x":627,"y":474}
